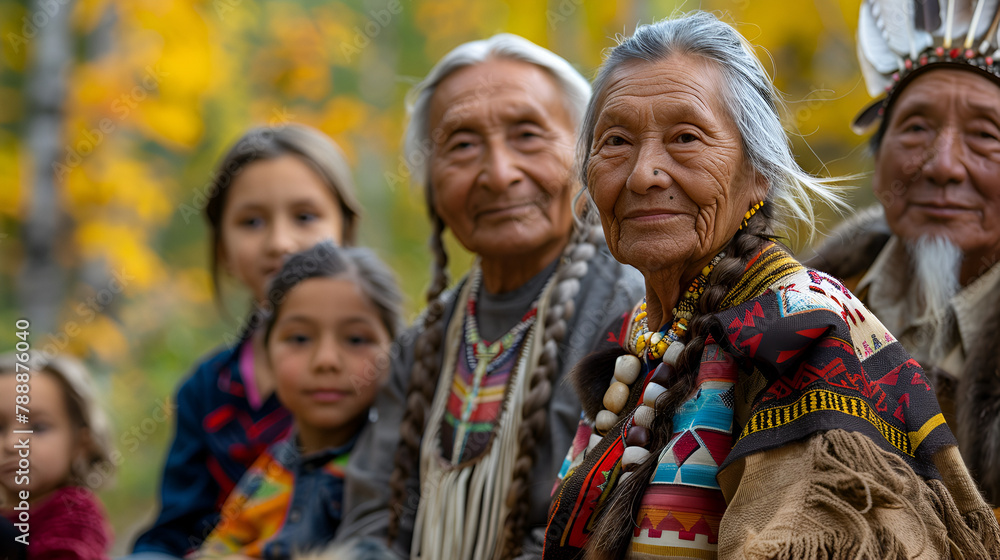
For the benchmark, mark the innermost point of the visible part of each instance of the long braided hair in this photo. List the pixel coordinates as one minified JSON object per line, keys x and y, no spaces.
{"x":426,"y":373}
{"x":614,"y":529}
{"x":755,"y":107}
{"x":534,"y":421}
{"x":423,"y":380}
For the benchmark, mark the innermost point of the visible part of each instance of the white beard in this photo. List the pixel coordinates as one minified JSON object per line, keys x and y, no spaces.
{"x":936,"y":265}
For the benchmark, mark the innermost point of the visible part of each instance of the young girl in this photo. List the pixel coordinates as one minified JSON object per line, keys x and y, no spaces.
{"x":68,"y":456}
{"x":335,"y":313}
{"x":279,"y":190}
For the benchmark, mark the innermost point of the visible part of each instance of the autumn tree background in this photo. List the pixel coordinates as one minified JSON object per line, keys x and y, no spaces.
{"x":113,"y":113}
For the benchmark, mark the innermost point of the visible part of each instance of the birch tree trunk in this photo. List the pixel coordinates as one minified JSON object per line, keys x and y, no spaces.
{"x":41,"y":287}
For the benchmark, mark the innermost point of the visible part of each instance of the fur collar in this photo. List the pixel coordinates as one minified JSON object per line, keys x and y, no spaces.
{"x":851,"y":248}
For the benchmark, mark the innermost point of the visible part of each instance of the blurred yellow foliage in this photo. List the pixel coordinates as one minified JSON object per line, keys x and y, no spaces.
{"x":83,"y":194}
{"x":10,"y":193}
{"x":12,"y":26}
{"x":446,"y":22}
{"x":88,"y":13}
{"x":299,"y":64}
{"x":116,"y":188}
{"x":525,"y":20}
{"x":341,"y":30}
{"x":193,"y":285}
{"x":342,"y":116}
{"x":94,"y":85}
{"x":125,"y":249}
{"x":176,"y":123}
{"x":103,"y":337}
{"x":187,"y":64}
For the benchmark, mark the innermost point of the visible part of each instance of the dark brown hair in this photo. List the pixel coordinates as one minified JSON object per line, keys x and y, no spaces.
{"x":326,"y":260}
{"x":311,"y":146}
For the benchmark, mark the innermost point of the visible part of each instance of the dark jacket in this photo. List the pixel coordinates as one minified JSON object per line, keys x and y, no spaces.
{"x":286,"y":503}
{"x":217,"y":437}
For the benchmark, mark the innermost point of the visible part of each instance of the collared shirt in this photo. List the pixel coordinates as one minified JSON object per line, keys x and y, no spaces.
{"x":286,"y":503}
{"x":889,"y":290}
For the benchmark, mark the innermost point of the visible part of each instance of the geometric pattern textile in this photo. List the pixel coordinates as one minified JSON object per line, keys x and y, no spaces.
{"x":804,"y":356}
{"x":682,"y":508}
{"x":286,"y":502}
{"x":820,"y":361}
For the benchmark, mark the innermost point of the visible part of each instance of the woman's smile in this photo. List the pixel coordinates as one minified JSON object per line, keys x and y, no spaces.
{"x":650,"y":215}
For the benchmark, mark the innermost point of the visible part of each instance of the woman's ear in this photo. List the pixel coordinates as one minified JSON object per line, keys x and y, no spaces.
{"x":761,"y":186}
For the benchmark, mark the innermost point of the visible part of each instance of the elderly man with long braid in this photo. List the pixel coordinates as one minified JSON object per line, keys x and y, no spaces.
{"x":476,"y":417}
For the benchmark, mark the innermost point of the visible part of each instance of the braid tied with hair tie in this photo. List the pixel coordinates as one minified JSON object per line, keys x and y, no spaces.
{"x":423,"y":381}
{"x":534,"y":421}
{"x":613,"y":533}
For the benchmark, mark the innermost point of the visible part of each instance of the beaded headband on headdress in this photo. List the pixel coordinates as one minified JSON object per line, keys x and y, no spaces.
{"x":900,"y":39}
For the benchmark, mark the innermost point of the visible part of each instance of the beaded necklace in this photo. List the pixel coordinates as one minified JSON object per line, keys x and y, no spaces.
{"x":650,"y":347}
{"x":656,"y":344}
{"x":476,"y":349}
{"x":484,"y":358}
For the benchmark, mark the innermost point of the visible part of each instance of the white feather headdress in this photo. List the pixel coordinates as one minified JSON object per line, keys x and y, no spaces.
{"x":899,"y":39}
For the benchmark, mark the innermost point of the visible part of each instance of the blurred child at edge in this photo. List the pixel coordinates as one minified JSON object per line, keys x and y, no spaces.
{"x":277,"y":191}
{"x":69,"y":456}
{"x":335,"y":313}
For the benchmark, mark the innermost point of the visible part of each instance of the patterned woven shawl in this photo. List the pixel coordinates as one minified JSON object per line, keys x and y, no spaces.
{"x":811,"y":358}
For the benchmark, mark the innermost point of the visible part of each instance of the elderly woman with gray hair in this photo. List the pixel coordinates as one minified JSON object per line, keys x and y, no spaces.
{"x":476,"y":418}
{"x":755,"y":408}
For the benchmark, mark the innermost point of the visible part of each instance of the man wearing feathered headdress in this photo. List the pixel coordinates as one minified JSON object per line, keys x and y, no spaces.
{"x":926,"y":260}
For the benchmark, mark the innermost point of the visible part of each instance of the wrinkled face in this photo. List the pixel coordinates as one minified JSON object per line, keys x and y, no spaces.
{"x":274,"y":207}
{"x":324,"y":348}
{"x":666,"y":168}
{"x":937,"y":171}
{"x":53,"y":446}
{"x":501,"y":160}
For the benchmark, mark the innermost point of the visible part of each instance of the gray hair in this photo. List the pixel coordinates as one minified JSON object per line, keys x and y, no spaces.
{"x":426,"y":369}
{"x":418,"y":138}
{"x":749,"y":97}
{"x":936,"y":262}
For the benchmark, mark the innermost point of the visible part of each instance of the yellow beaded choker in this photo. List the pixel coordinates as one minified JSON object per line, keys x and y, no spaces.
{"x":656,"y":344}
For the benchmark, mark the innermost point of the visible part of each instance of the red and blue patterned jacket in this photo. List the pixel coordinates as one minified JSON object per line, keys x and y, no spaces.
{"x":218,"y":437}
